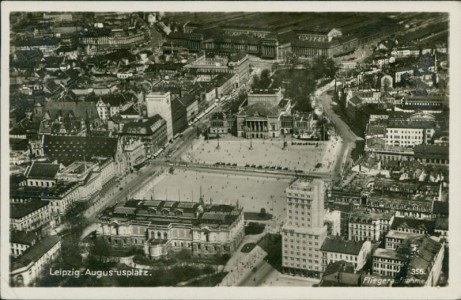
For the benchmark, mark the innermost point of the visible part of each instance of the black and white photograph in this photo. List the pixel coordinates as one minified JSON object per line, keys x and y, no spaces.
{"x":230,"y":148}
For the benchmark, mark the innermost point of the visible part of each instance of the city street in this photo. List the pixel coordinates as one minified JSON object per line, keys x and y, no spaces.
{"x":348,"y":136}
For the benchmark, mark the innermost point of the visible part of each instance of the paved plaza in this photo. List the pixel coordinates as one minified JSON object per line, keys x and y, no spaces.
{"x":251,"y":192}
{"x":264,"y":153}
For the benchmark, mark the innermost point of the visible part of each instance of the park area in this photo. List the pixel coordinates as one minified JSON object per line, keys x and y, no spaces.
{"x":250,"y":192}
{"x":297,"y":155}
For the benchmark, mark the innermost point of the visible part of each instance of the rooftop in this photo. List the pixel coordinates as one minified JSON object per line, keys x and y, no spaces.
{"x":22,"y":237}
{"x":420,"y":224}
{"x":35,"y":252}
{"x":20,"y":210}
{"x":67,"y":149}
{"x":42,"y":171}
{"x":166,"y":212}
{"x":260,"y":109}
{"x":389,"y":253}
{"x":338,"y":245}
{"x":401,"y":235}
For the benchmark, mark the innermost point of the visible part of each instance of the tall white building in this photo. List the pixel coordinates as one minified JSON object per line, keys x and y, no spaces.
{"x":160,"y":103}
{"x":304,"y":231}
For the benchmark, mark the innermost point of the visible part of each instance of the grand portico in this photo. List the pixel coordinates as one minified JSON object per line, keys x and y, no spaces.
{"x":259,"y":120}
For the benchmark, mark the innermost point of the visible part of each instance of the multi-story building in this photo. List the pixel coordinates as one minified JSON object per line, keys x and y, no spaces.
{"x":20,"y":241}
{"x":342,"y":274}
{"x":61,"y":197}
{"x":304,"y":231}
{"x":418,"y":226}
{"x":135,"y":152}
{"x":110,"y":105}
{"x":221,"y":124}
{"x":103,"y":40}
{"x":260,"y":120}
{"x":267,"y":96}
{"x":428,"y":257}
{"x":432,"y":154}
{"x":336,"y":249}
{"x":368,"y":226}
{"x":415,"y":130}
{"x":31,"y":263}
{"x":388,"y":262}
{"x":163,"y":226}
{"x":418,"y":260}
{"x":395,"y":238}
{"x":41,"y":174}
{"x":159,"y":103}
{"x":67,"y":149}
{"x":30,"y":215}
{"x":151,"y":131}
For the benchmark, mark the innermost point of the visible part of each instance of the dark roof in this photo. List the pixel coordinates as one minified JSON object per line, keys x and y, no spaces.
{"x":338,"y":266}
{"x":79,"y":109}
{"x":420,"y":224}
{"x":189,"y":99}
{"x":22,"y":237}
{"x":18,"y":144}
{"x":53,"y":61}
{"x":66,"y":49}
{"x":67,"y":149}
{"x":441,"y":223}
{"x":338,"y":245}
{"x":431,"y":151}
{"x":440,"y":207}
{"x":35,"y":252}
{"x":143,"y":126}
{"x":42,"y":170}
{"x":114,"y":99}
{"x":260,"y":109}
{"x":130,"y":111}
{"x":19,"y":210}
{"x":119,"y":55}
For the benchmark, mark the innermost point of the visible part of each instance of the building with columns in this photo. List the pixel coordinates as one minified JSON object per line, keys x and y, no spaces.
{"x":304,"y":231}
{"x":159,"y":227}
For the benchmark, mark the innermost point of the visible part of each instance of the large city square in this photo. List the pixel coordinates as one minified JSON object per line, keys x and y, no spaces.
{"x":296,"y":155}
{"x":249,"y":191}
{"x":270,"y":149}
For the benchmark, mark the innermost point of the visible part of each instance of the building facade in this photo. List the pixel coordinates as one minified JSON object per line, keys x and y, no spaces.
{"x":304,"y":231}
{"x":160,"y":103}
{"x":27,"y":267}
{"x":159,"y":227}
{"x":336,"y":249}
{"x":30,"y":215}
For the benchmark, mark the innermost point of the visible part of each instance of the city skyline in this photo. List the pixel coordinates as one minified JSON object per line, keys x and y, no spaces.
{"x":228,"y":149}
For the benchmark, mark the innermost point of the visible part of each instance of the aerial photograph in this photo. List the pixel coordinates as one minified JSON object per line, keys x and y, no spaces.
{"x":228,"y":149}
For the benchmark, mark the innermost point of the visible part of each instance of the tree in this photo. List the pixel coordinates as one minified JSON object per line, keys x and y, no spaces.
{"x":100,"y":247}
{"x":262,"y":212}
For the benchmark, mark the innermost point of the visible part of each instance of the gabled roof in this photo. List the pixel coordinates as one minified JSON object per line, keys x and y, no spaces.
{"x":35,"y":252}
{"x":22,"y":237}
{"x":42,"y":171}
{"x":19,"y":210}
